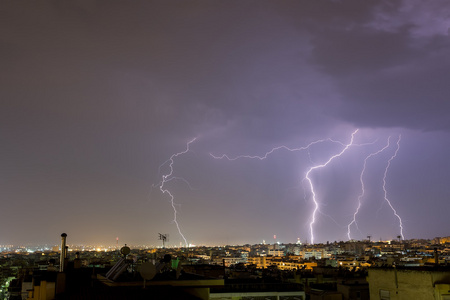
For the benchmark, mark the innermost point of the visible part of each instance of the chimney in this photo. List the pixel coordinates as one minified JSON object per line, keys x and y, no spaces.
{"x":63,"y":252}
{"x":77,"y":261}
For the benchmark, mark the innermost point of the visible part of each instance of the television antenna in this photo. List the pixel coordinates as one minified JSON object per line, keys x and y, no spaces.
{"x":164,"y":237}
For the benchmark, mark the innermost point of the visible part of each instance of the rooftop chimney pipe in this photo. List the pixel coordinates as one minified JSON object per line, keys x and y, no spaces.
{"x":63,"y":252}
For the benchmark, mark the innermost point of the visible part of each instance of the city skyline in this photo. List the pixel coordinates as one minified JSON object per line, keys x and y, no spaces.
{"x":102,"y":100}
{"x":157,"y":244}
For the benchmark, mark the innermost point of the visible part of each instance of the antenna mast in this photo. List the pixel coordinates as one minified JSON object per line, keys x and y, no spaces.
{"x":163,"y":238}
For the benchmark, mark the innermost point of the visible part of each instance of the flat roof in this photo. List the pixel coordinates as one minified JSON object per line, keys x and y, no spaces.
{"x":206,"y":283}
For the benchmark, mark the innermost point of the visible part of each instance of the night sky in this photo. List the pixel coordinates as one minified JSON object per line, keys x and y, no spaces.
{"x":97,"y":96}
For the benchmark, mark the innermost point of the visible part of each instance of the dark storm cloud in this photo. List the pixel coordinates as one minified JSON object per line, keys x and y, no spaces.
{"x":185,"y":63}
{"x":390,"y":68}
{"x":255,"y":61}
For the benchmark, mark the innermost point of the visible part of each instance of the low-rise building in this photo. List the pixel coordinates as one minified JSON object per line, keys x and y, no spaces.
{"x":409,"y":283}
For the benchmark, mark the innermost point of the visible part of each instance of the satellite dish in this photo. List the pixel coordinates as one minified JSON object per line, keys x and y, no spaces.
{"x":147,"y":271}
{"x":125,"y":250}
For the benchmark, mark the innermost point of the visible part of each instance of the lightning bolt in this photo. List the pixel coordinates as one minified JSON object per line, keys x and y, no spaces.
{"x":168,"y":177}
{"x":384,"y":186}
{"x":311,"y":186}
{"x":266,"y":155}
{"x":362,"y":186}
{"x":273,"y":150}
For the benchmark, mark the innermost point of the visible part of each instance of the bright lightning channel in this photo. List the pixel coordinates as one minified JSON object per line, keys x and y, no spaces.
{"x":360,"y":197}
{"x":311,"y":186}
{"x":273,"y":150}
{"x":309,"y":171}
{"x":384,"y":186}
{"x":168,"y":177}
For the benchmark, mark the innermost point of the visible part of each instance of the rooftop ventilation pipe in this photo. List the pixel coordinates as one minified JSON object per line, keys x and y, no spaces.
{"x":63,"y":252}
